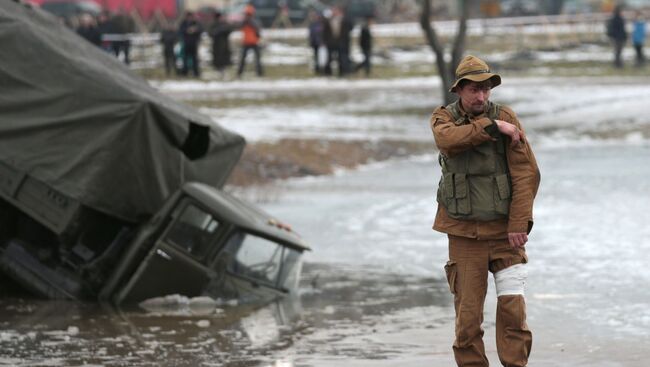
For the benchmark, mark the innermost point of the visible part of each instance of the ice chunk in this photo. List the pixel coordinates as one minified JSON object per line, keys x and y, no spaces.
{"x":164,"y":303}
{"x":203,"y":323}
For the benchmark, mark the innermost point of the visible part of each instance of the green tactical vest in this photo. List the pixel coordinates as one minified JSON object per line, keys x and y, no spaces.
{"x":475,"y":184}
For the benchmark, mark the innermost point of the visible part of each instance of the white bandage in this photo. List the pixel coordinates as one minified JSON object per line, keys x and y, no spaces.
{"x":511,"y":280}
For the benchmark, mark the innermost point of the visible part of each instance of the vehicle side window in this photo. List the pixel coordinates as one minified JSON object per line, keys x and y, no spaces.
{"x":193,"y":231}
{"x":254,"y":257}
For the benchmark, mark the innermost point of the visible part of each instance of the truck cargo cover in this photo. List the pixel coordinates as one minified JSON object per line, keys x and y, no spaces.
{"x":76,"y":118}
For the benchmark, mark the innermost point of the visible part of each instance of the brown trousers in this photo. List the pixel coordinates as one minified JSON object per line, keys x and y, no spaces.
{"x":467,"y":272}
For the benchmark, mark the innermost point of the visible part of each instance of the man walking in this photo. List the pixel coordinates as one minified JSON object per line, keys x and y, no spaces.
{"x":485,"y":201}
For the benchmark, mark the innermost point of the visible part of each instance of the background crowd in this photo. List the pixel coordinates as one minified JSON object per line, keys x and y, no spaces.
{"x":329,"y":37}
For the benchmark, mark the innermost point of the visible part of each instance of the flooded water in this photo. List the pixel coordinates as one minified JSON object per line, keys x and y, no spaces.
{"x":373,"y":292}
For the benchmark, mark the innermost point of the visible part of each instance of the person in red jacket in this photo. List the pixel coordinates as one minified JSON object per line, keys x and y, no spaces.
{"x":250,"y":41}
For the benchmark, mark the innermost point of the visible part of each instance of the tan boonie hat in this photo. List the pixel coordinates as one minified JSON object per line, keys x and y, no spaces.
{"x":474,"y":69}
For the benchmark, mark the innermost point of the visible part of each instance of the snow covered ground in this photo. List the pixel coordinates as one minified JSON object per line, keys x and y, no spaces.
{"x":553,"y":110}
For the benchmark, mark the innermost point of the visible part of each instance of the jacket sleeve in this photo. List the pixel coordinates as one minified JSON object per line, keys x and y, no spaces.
{"x":452,"y":139}
{"x":525,"y":177}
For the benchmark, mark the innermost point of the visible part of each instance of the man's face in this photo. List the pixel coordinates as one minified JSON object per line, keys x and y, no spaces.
{"x":474,"y":96}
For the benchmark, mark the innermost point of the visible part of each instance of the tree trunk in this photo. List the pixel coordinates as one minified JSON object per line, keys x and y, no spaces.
{"x":445,"y":70}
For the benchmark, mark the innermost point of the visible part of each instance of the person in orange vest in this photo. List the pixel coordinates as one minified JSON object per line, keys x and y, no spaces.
{"x":250,"y":40}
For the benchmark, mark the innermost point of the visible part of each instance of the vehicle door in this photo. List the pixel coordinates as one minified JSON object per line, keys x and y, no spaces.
{"x":176,"y":264}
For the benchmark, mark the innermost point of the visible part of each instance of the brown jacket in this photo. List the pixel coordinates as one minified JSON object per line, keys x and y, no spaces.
{"x":524,"y":173}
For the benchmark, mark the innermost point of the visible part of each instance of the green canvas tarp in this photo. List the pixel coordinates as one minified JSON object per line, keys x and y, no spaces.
{"x":76,"y":118}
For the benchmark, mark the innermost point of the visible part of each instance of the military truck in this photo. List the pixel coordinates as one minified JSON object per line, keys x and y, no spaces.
{"x":203,"y":241}
{"x":110,"y":190}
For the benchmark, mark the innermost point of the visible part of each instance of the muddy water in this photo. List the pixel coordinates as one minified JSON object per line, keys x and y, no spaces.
{"x":339,"y":307}
{"x":373,"y":292}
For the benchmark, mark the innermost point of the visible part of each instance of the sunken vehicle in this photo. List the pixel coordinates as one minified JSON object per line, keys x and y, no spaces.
{"x":110,"y":190}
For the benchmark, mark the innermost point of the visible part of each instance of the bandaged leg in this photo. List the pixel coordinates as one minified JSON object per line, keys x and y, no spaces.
{"x":511,"y":280}
{"x":514,"y":339}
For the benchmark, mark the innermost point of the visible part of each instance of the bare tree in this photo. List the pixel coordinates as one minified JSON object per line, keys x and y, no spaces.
{"x":446,"y":70}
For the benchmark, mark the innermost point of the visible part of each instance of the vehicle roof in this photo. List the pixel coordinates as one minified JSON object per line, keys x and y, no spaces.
{"x":243,"y":214}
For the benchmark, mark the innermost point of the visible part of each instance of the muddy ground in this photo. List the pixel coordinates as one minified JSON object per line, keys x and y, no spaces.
{"x":263,"y":162}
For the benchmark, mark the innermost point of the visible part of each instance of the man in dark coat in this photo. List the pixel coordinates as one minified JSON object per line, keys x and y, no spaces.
{"x":365,"y":42}
{"x":105,"y":27}
{"x":191,"y":30}
{"x":88,"y":30}
{"x":344,"y":44}
{"x":330,"y":39}
{"x":617,"y":33}
{"x":315,"y":37}
{"x":122,"y":26}
{"x":168,"y":39}
{"x":220,"y":31}
{"x":336,"y":35}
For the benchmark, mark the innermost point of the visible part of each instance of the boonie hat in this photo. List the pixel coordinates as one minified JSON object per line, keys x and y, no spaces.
{"x":474,"y":69}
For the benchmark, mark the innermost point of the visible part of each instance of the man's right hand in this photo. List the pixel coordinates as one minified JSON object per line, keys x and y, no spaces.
{"x":516,"y":135}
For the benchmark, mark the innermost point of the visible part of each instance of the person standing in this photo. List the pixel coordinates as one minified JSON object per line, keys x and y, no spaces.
{"x":365,"y":42}
{"x":638,"y":38}
{"x":191,"y":31}
{"x":105,"y":27}
{"x":250,"y":41}
{"x":617,"y":33}
{"x":315,"y":37}
{"x":336,"y":35}
{"x":345,"y":41}
{"x":122,"y":26}
{"x":220,"y":32}
{"x":88,"y":30}
{"x":282,"y":18}
{"x":168,"y":39}
{"x":485,"y":206}
{"x":331,"y":28}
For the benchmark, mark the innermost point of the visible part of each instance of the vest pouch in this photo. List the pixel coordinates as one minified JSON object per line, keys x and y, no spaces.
{"x":446,"y":192}
{"x":448,"y":186}
{"x":503,"y":194}
{"x":453,"y":194}
{"x":461,"y":194}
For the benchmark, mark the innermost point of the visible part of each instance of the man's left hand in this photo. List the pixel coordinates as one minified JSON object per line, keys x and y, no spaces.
{"x":516,"y":136}
{"x":518,"y":239}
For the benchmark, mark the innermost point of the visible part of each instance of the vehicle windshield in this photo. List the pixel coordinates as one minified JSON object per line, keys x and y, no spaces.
{"x":262,"y":260}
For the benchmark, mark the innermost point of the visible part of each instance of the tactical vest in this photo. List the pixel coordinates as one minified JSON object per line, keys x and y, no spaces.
{"x":475,"y":184}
